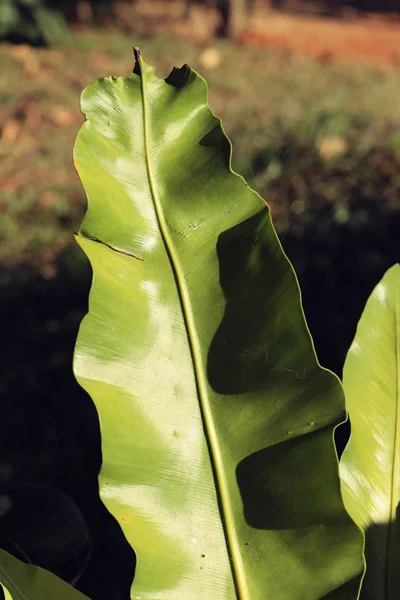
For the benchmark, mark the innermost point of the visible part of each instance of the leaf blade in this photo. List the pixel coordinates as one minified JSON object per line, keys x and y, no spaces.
{"x":203,"y":247}
{"x":369,"y":467}
{"x":27,"y":582}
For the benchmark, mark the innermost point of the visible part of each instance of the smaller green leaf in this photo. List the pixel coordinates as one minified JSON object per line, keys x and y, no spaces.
{"x":27,"y":582}
{"x":370,"y":465}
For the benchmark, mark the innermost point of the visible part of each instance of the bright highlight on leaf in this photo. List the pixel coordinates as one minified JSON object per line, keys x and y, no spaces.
{"x":370,"y":465}
{"x":216,"y":418}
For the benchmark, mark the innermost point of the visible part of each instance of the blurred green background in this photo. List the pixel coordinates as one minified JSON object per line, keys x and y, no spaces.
{"x":315,"y":125}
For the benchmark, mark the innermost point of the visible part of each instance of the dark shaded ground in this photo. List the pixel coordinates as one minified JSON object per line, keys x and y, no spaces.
{"x":48,"y":427}
{"x":49,"y":431}
{"x":337,"y":268}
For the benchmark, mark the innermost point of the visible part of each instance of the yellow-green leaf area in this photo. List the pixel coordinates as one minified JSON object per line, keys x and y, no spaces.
{"x":370,"y":465}
{"x":216,"y":418}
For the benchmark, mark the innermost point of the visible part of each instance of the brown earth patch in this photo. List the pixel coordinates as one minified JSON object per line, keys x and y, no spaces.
{"x":360,"y":37}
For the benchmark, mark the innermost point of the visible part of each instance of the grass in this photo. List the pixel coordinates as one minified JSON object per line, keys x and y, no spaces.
{"x":266,"y":99}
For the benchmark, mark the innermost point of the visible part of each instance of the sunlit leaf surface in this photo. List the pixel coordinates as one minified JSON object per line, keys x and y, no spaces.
{"x":370,"y":465}
{"x":216,"y":419}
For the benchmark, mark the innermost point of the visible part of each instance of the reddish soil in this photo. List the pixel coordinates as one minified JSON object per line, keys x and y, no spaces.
{"x":358,"y":37}
{"x":365,"y":38}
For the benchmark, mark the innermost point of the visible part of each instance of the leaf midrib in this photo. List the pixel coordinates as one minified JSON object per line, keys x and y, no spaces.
{"x":208,"y":425}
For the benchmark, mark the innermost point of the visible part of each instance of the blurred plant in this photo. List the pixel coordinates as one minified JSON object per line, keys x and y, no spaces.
{"x":324,"y":175}
{"x":31,"y":21}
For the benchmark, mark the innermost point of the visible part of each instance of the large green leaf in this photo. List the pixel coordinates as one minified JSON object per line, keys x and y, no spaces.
{"x":216,"y":418}
{"x":26,"y":582}
{"x":370,"y":465}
